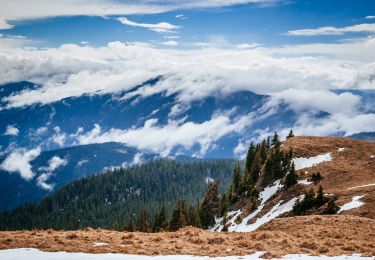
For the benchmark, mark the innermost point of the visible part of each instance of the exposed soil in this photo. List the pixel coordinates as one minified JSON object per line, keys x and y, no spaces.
{"x":316,"y":235}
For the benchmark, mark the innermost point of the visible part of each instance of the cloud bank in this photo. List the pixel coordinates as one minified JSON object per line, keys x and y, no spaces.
{"x":331,"y":30}
{"x":19,"y":162}
{"x":19,"y":10}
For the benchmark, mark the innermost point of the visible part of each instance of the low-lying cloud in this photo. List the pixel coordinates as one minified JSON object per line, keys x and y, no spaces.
{"x":19,"y":162}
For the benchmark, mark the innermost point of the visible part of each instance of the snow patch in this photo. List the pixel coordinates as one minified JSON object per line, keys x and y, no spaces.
{"x":265,"y":195}
{"x":362,"y":186}
{"x":31,"y":254}
{"x":355,"y":203}
{"x":100,"y":244}
{"x":302,"y":163}
{"x":305,"y":182}
{"x":276,"y":211}
{"x":341,"y":149}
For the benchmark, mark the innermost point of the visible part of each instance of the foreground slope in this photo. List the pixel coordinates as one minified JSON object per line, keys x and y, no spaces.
{"x":316,"y":235}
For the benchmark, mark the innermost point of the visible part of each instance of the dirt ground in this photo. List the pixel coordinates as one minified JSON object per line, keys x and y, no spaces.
{"x":316,"y":235}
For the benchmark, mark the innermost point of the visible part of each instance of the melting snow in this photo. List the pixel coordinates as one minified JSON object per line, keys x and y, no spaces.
{"x":31,"y":254}
{"x":276,"y":211}
{"x":305,"y":182}
{"x":355,"y":203}
{"x":362,"y":186}
{"x":341,"y":149}
{"x":100,"y":244}
{"x":265,"y":195}
{"x":301,"y":162}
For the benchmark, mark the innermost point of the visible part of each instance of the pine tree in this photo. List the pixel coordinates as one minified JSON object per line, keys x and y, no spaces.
{"x":129,"y":226}
{"x":263,"y":151}
{"x":178,"y":219}
{"x":291,"y":177}
{"x":255,"y":169}
{"x":291,"y":134}
{"x":275,"y":140}
{"x":319,"y":200}
{"x":210,"y":205}
{"x":250,"y":156}
{"x":142,"y":224}
{"x":236,"y":179}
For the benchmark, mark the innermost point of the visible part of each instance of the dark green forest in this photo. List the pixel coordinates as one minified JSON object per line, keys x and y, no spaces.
{"x":112,"y":199}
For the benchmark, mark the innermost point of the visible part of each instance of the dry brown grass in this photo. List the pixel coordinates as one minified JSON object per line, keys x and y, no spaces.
{"x":328,"y":235}
{"x":355,"y":166}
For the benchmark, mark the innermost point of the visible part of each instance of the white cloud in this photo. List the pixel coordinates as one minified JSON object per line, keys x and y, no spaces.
{"x":11,"y":130}
{"x":169,"y":43}
{"x":19,"y":161}
{"x":162,"y":139}
{"x":162,"y":27}
{"x":54,"y":163}
{"x":37,"y":9}
{"x":370,"y":17}
{"x":244,"y":46}
{"x":331,"y":30}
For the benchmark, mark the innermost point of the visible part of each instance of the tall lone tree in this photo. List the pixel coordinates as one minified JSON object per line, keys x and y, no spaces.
{"x":210,"y":205}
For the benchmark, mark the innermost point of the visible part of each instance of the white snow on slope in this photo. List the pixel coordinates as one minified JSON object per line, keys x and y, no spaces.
{"x":305,"y":182}
{"x":32,"y":254}
{"x":276,"y":211}
{"x":341,"y":149}
{"x":302,"y":163}
{"x":355,"y":203}
{"x":265,"y":195}
{"x":362,"y":186}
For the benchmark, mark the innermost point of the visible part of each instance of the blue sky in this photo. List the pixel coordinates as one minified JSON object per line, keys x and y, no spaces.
{"x":223,"y":25}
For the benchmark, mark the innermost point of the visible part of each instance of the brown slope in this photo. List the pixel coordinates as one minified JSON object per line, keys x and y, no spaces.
{"x":350,"y":168}
{"x":317,"y":235}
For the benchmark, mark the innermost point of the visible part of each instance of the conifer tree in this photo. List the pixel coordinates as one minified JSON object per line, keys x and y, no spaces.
{"x":178,"y":219}
{"x":142,"y":224}
{"x":250,"y":156}
{"x":210,"y":205}
{"x":275,"y":140}
{"x":263,"y":151}
{"x":129,"y":226}
{"x":291,"y":134}
{"x":236,"y":179}
{"x":319,"y":201}
{"x":255,"y":169}
{"x":291,"y":177}
{"x":225,"y":222}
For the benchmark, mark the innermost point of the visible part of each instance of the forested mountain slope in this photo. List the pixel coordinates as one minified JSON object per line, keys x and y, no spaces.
{"x":110,"y":199}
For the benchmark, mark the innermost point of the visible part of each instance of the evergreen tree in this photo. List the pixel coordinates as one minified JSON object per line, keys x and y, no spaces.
{"x":291,"y":134}
{"x":193,"y":217}
{"x":275,"y":140}
{"x":255,"y":169}
{"x":291,"y":177}
{"x":178,"y":219}
{"x":210,"y":205}
{"x":142,"y":224}
{"x":236,"y":180}
{"x":250,"y":156}
{"x":320,"y":200}
{"x":263,"y":151}
{"x":129,"y":226}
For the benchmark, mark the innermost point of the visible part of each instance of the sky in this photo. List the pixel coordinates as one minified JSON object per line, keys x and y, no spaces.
{"x":194,"y":23}
{"x":307,"y":54}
